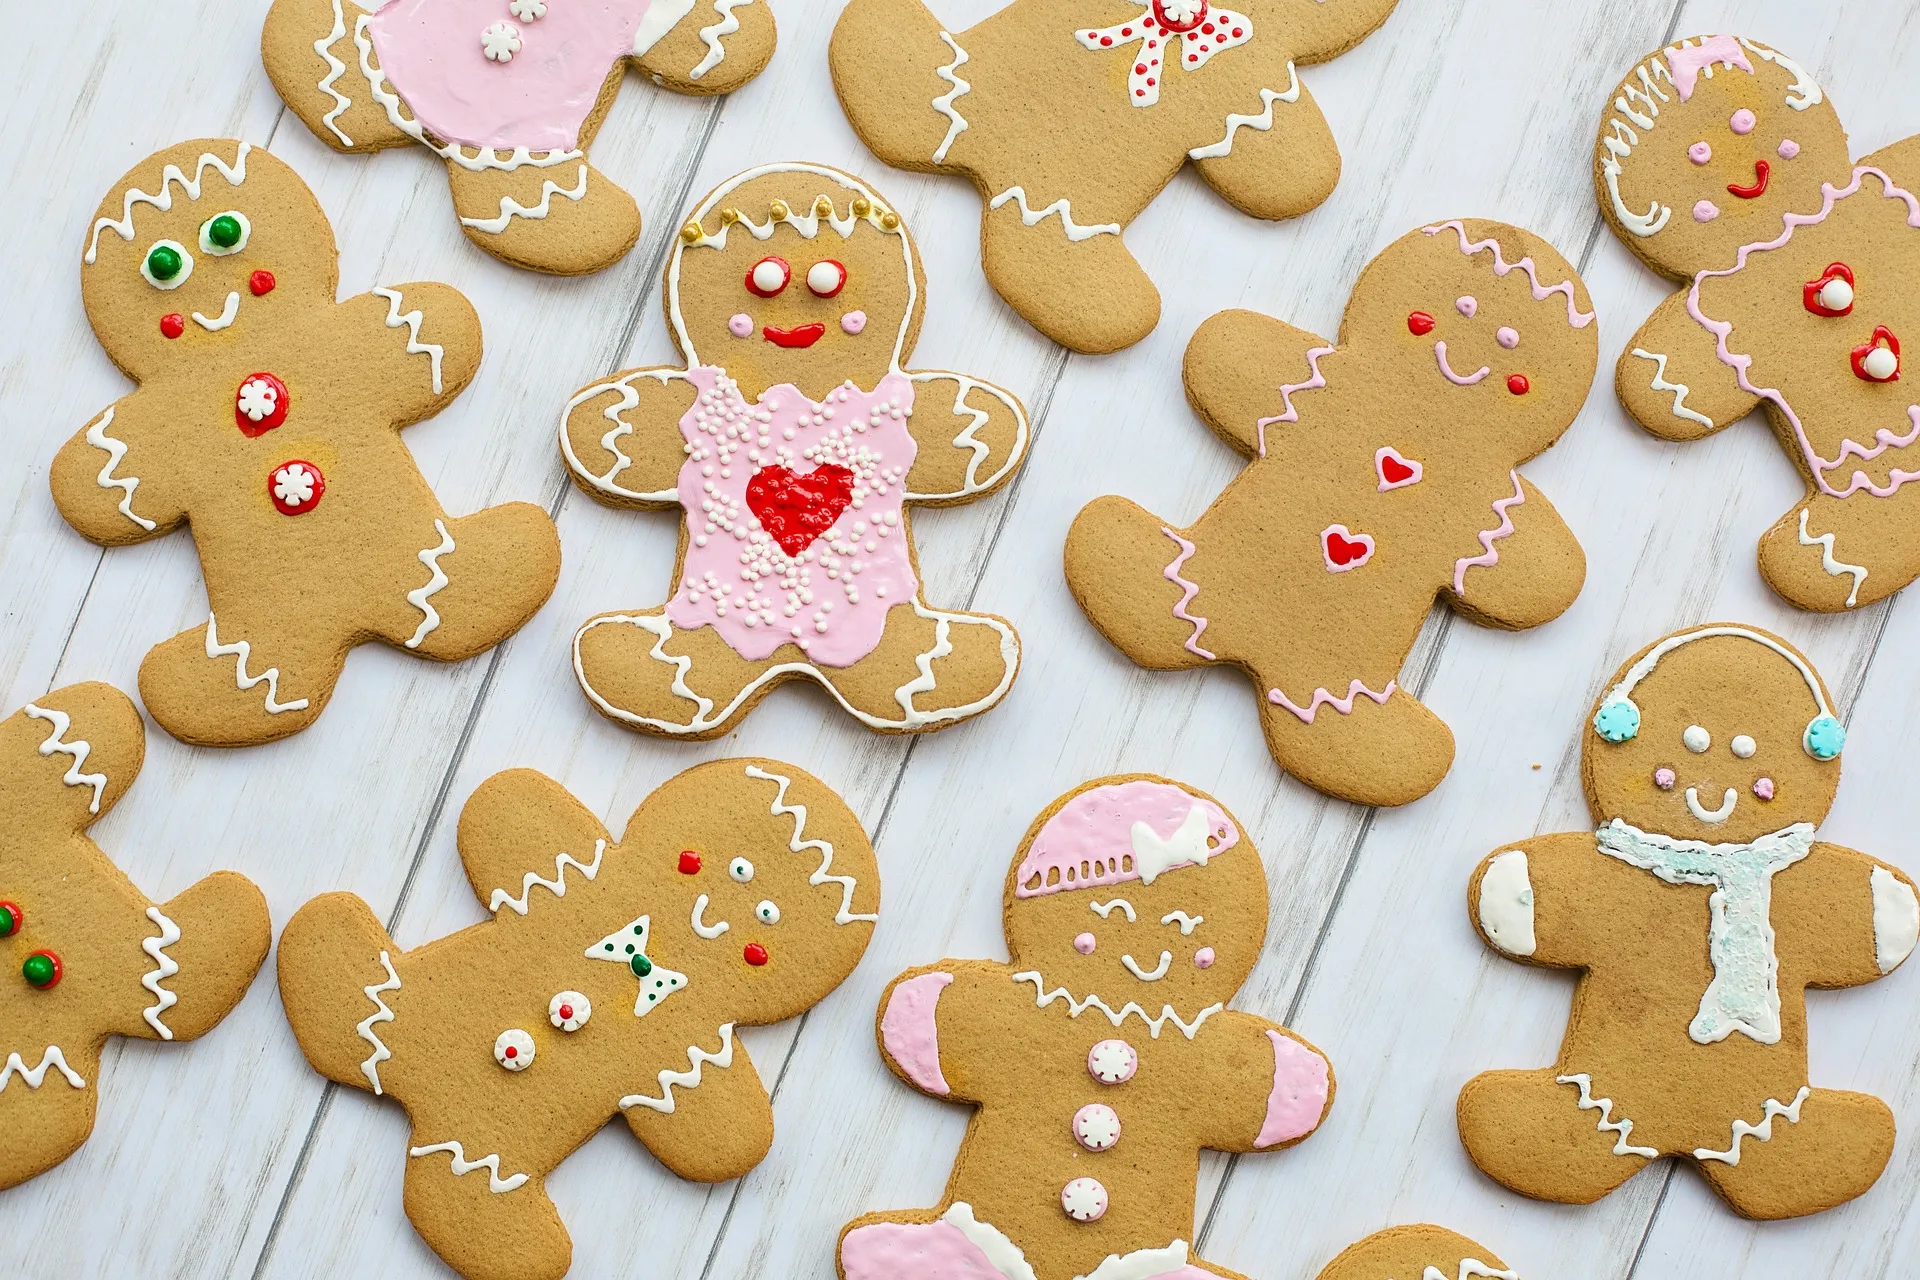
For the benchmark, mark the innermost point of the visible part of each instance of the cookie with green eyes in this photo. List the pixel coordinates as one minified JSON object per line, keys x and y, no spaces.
{"x":1697,"y":914}
{"x":610,"y":981}
{"x":1722,"y":164}
{"x":267,"y":416}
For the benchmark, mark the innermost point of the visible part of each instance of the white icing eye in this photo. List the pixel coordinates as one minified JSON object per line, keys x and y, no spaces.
{"x":826,"y":278}
{"x":1696,"y":739}
{"x":225,"y":233}
{"x":1743,"y":746}
{"x":742,"y":870}
{"x":766,"y":912}
{"x":769,"y":276}
{"x":167,"y":265}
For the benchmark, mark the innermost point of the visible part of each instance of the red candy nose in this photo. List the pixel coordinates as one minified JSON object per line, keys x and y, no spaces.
{"x":261,"y":282}
{"x":689,"y":863}
{"x":1518,"y":384}
{"x":1419,"y":324}
{"x":173,"y":325}
{"x":756,"y":954}
{"x":566,"y":1011}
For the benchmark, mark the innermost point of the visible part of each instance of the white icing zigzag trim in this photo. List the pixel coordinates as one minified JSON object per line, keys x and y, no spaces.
{"x":967,"y":439}
{"x":1078,"y":1007}
{"x":558,"y":885}
{"x":78,"y":749}
{"x":846,"y":914}
{"x":1622,"y":1126}
{"x":163,"y":199}
{"x":727,"y":25}
{"x":115,"y":450}
{"x":1262,"y":122}
{"x":511,"y":208}
{"x":1834,"y":567}
{"x":417,"y":597}
{"x":335,"y":69}
{"x":1470,"y":1267}
{"x":1074,"y":231}
{"x":463,"y":1166}
{"x":412,"y":320}
{"x":35,"y":1075}
{"x":629,"y":398}
{"x":371,"y":1067}
{"x":241,"y":651}
{"x":164,"y":967}
{"x":1762,"y":1132}
{"x":944,"y":103}
{"x":697,"y":1058}
{"x":1679,"y":389}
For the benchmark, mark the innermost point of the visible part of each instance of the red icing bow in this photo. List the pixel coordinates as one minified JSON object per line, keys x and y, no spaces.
{"x":1202,"y":30}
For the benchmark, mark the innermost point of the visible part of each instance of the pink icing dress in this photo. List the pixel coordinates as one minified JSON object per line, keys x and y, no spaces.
{"x":794,"y":524}
{"x":433,"y":54}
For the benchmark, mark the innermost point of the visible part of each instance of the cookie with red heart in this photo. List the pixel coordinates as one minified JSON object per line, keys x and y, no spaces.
{"x":794,"y":444}
{"x":1381,"y":474}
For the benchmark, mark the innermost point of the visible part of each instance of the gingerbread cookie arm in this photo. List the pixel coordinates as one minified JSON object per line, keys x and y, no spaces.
{"x":520,"y":832}
{"x":420,"y":343}
{"x":314,"y":62}
{"x":707,"y":1119}
{"x":1278,"y":159}
{"x":76,"y":750}
{"x":971,"y":436}
{"x":1854,"y":917}
{"x":1527,"y":567}
{"x":1526,"y":902}
{"x":930,"y":1017}
{"x":1671,"y":378}
{"x":1321,"y":29}
{"x":621,"y":437}
{"x":715,"y":46}
{"x":206,"y":945}
{"x":1242,"y":370}
{"x":111,"y":480}
{"x":1282,"y":1085}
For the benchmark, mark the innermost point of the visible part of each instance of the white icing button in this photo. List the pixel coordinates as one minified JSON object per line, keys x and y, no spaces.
{"x":1096,"y":1126}
{"x":1112,"y":1062}
{"x":1836,"y":294}
{"x":527,"y":10}
{"x":514,"y":1049}
{"x":1743,"y":746}
{"x":1696,"y":739}
{"x":1881,"y":364}
{"x":569,"y":1011}
{"x":500,"y":42}
{"x":1084,"y":1199}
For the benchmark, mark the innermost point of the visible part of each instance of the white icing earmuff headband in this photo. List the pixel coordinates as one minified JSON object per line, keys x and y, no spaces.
{"x":1618,"y":719}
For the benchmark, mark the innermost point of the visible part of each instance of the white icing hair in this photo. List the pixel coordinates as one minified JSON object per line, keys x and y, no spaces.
{"x":1637,"y":110}
{"x":235,"y":174}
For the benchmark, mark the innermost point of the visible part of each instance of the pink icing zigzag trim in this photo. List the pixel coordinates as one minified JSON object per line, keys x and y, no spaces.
{"x":1577,"y":318}
{"x":1320,"y":696}
{"x":1188,"y":590}
{"x":1291,"y":414}
{"x":1740,"y":363}
{"x":1489,"y":557}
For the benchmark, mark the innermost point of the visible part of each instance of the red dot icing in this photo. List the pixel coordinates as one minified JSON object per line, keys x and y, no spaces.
{"x":261,"y":282}
{"x":173,"y":325}
{"x":1518,"y":384}
{"x":755,"y":954}
{"x":689,"y":863}
{"x":1419,"y":324}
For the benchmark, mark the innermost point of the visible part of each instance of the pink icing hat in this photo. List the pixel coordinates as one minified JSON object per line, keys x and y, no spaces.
{"x":1122,"y":831}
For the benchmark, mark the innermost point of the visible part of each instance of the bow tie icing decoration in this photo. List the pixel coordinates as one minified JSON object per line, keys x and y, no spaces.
{"x":628,"y":945}
{"x":1201,"y":29}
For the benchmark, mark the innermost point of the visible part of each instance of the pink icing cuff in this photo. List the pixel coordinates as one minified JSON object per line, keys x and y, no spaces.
{"x":908,"y":1031}
{"x":1299,"y":1096}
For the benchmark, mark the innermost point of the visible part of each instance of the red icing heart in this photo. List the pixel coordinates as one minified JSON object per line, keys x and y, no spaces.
{"x":1811,"y":292}
{"x":1345,"y":549}
{"x":1394,"y":471}
{"x":796,"y":509}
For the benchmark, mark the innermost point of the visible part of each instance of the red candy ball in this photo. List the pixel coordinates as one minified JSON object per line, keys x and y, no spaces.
{"x":1518,"y":384}
{"x":172,"y":325}
{"x":261,"y":282}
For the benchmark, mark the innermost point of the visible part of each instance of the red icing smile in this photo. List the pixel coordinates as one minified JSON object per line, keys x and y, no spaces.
{"x":796,"y":509}
{"x":801,"y":335}
{"x":1759,"y":188}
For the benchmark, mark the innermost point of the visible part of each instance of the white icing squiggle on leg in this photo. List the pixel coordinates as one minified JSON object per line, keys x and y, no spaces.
{"x":371,"y":1067}
{"x":511,"y":208}
{"x":335,"y":69}
{"x":115,"y":450}
{"x":79,"y":749}
{"x":34,"y":1076}
{"x":1679,"y":389}
{"x":1489,"y":556}
{"x":944,"y":103}
{"x":1623,"y":1127}
{"x":240,"y":650}
{"x":417,"y":597}
{"x":1073,"y":230}
{"x":1834,"y":566}
{"x":1188,"y":590}
{"x":1262,"y":122}
{"x":164,"y":967}
{"x":697,"y":1058}
{"x":463,"y":1166}
{"x":1762,"y":1132}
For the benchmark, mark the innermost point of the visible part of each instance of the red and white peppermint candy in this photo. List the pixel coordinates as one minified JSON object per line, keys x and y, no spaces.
{"x":1201,"y":29}
{"x":260,"y":404}
{"x":296,"y":487}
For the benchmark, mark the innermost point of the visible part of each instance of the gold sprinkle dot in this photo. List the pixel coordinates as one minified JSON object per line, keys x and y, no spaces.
{"x":780,"y":211}
{"x":861,"y":208}
{"x":691,"y":233}
{"x":729,"y":216}
{"x":823,"y":208}
{"x":890,"y":220}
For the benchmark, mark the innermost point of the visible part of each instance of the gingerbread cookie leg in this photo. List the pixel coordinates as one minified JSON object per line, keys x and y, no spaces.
{"x":1803,"y":1155}
{"x":887,"y":57}
{"x":566,"y":218}
{"x":481,"y":578}
{"x":48,"y":1096}
{"x":1276,"y":161}
{"x":1046,"y":259}
{"x":932,"y":668}
{"x":1371,"y":743}
{"x":239,"y":680}
{"x":480,"y":1205}
{"x":1548,"y":1136}
{"x":314,"y":62}
{"x":718,"y":1131}
{"x":1672,"y":381}
{"x":641,"y":670}
{"x":1132,"y":575}
{"x":715,"y":47}
{"x":1830,"y":556}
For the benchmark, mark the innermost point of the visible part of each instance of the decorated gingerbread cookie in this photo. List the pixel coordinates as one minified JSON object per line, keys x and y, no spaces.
{"x":510,"y":94}
{"x":1421,"y":1252}
{"x":1722,"y":164}
{"x":1070,"y":118}
{"x":793,"y":445}
{"x":1381,"y":475}
{"x":87,"y":955}
{"x":610,"y":982}
{"x":1698,"y":914}
{"x":1102,"y":1058}
{"x":268,"y":417}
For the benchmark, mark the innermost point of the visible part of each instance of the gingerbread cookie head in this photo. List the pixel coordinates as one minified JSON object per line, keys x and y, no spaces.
{"x":795,"y":273}
{"x":1132,"y":881}
{"x":1706,"y":144}
{"x":199,"y":243}
{"x":1721,"y":733}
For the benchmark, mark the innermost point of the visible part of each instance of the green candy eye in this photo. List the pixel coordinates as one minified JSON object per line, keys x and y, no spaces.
{"x":167,"y":265}
{"x":225,"y":233}
{"x":164,"y":263}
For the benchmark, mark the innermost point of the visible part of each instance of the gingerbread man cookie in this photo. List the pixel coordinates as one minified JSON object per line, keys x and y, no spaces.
{"x":510,"y":94}
{"x":1420,"y":1252}
{"x":1698,"y":914}
{"x":793,"y":444}
{"x":89,"y":956}
{"x":1061,"y":114}
{"x":1314,"y":570}
{"x":1082,"y":1156}
{"x":271,"y":422}
{"x":609,"y":983}
{"x":1722,"y":164}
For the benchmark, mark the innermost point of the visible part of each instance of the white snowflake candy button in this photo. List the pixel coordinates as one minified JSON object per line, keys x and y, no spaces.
{"x":527,"y":10}
{"x":260,"y":404}
{"x":500,"y":42}
{"x":1084,"y":1199}
{"x":1096,"y":1126}
{"x":569,"y":1011}
{"x":1112,"y":1062}
{"x":514,"y":1049}
{"x":295,"y":487}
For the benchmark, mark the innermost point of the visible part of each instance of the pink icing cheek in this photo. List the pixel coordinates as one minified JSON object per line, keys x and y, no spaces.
{"x":1084,"y":944}
{"x":1203,"y":958}
{"x":1742,"y":122}
{"x":854,"y":321}
{"x":1466,"y":306}
{"x":1789,"y":148}
{"x":1508,"y":338}
{"x":1705,"y":211}
{"x":1699,"y":153}
{"x":741,"y":326}
{"x":1663,"y":779}
{"x":1763,"y":787}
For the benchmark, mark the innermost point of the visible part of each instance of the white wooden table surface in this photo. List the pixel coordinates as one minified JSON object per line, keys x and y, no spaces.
{"x":228,"y":1157}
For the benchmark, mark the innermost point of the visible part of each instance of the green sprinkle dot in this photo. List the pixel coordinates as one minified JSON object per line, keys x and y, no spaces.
{"x":164,"y":262}
{"x":7,"y":925}
{"x":641,"y":966}
{"x":38,"y":970}
{"x":224,"y":231}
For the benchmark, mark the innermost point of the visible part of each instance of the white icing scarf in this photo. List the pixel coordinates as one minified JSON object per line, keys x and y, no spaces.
{"x":1744,"y":995}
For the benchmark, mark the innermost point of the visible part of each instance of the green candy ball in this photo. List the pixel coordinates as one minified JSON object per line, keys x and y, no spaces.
{"x":164,"y":262}
{"x":641,"y":966}
{"x":38,"y":970}
{"x":7,"y":923}
{"x":224,"y":231}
